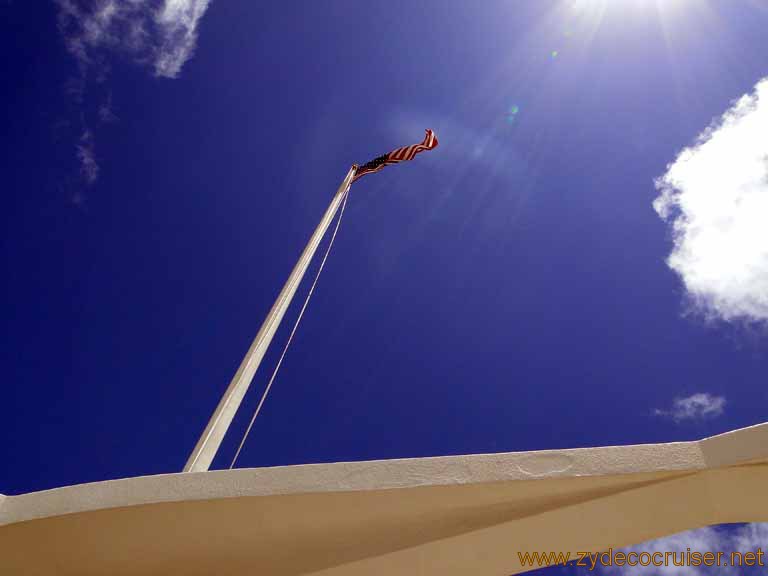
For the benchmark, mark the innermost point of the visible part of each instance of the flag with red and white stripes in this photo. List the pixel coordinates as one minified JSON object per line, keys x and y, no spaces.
{"x":398,"y":155}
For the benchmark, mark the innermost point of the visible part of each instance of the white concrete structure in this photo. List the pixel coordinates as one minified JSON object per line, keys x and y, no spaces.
{"x":442,"y":516}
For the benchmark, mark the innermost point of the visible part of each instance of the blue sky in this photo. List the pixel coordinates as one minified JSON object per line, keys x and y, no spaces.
{"x":554,"y":275}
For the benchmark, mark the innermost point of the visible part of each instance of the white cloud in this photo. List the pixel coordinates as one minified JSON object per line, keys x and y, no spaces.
{"x":160,"y":33}
{"x":106,"y":112}
{"x":750,"y":537}
{"x":87,"y":157}
{"x":715,"y":194}
{"x":742,"y":539}
{"x":178,"y":22}
{"x":695,"y":407}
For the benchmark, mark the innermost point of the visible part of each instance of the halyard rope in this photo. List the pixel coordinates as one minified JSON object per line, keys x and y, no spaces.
{"x":290,"y":338}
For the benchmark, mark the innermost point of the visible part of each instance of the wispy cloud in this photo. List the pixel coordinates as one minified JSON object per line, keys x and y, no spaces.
{"x":158,"y":34}
{"x":177,"y":23}
{"x":106,"y":111}
{"x":162,"y":34}
{"x":715,"y":195}
{"x":698,"y":406}
{"x":87,"y":156}
{"x":742,"y":539}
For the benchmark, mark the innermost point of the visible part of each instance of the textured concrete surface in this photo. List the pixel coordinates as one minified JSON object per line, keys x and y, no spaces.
{"x":446,"y":515}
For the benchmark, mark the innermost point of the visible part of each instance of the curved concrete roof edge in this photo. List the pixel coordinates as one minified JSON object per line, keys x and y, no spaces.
{"x":731,"y":448}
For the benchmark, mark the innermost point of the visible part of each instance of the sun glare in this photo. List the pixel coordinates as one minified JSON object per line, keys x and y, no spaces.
{"x":589,"y":16}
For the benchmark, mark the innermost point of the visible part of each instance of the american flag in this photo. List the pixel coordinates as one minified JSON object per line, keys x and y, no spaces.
{"x":398,"y":155}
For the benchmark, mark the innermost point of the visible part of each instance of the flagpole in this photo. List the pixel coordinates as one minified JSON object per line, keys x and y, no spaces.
{"x":208,"y":444}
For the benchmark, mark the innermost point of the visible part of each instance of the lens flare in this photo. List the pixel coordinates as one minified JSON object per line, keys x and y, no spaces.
{"x":512,"y":113}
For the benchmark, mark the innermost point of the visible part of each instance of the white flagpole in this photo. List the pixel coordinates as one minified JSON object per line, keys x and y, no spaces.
{"x":208,"y":444}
